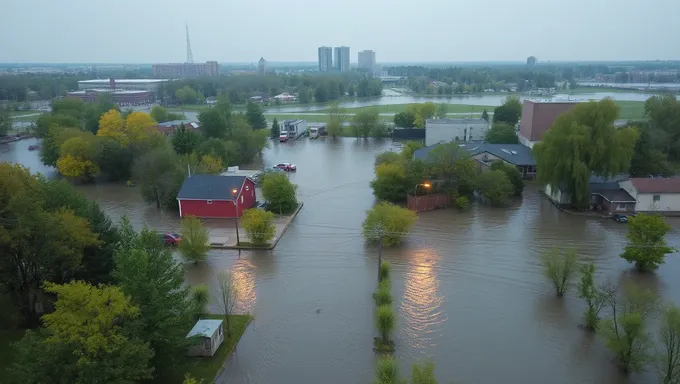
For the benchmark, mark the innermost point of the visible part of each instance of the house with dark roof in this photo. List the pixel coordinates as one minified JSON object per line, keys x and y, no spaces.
{"x":598,"y":188}
{"x":216,"y":196}
{"x":169,"y":127}
{"x":658,"y":195}
{"x":514,"y":154}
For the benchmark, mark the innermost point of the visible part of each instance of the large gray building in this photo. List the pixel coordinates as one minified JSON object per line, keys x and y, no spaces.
{"x":325,"y":59}
{"x":448,"y":130}
{"x":367,"y":60}
{"x":341,"y":59}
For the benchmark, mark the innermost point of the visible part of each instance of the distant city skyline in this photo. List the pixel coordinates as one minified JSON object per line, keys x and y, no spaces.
{"x":93,"y":32}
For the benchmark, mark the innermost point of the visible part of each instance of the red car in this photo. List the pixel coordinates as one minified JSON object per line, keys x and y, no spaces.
{"x":286,"y":167}
{"x":171,"y":239}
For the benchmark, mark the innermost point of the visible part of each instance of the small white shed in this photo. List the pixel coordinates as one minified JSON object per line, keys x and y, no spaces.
{"x":209,"y":334}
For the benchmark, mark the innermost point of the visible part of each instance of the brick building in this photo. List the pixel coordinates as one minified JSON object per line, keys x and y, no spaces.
{"x":538,"y":117}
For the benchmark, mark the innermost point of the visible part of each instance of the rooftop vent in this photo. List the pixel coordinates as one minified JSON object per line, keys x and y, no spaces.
{"x":506,"y":151}
{"x":514,"y":152}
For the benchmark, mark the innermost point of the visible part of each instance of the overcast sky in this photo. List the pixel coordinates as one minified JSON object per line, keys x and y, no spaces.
{"x":152,"y":31}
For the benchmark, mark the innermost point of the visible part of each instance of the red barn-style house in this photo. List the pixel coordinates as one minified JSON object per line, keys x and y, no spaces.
{"x":211,"y":196}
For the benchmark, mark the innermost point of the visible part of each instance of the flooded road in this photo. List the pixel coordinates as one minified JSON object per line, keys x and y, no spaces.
{"x":467,"y":286}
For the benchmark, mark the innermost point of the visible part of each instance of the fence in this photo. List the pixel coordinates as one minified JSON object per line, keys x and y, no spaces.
{"x":428,"y":202}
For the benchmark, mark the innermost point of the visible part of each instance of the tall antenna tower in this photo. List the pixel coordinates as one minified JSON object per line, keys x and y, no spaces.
{"x":190,"y":56}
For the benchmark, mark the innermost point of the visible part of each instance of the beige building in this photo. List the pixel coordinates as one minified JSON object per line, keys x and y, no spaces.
{"x":658,"y":195}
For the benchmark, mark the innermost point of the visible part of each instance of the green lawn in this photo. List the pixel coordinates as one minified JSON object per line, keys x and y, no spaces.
{"x":7,"y":337}
{"x":207,"y":368}
{"x":631,"y":110}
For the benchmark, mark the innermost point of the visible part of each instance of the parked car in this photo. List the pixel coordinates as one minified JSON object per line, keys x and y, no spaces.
{"x":283,"y":137}
{"x":171,"y":239}
{"x":286,"y":166}
{"x":620,"y":218}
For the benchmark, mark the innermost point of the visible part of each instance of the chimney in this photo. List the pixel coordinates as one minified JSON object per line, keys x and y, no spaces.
{"x":112,"y":83}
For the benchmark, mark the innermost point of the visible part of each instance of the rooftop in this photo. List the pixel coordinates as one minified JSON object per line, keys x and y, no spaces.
{"x":115,"y":91}
{"x":656,"y":185}
{"x":205,"y":328}
{"x":123,"y":81}
{"x":174,"y":123}
{"x":517,"y":154}
{"x":616,"y":196}
{"x":476,"y":120}
{"x":210,"y":187}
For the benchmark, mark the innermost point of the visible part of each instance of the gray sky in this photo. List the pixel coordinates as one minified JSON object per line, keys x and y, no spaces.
{"x":151,"y":31}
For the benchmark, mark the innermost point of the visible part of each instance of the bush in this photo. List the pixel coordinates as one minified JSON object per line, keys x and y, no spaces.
{"x":392,"y":221}
{"x":462,"y":202}
{"x":279,"y":192}
{"x":513,"y":174}
{"x":258,"y":225}
{"x":495,"y":187}
{"x":199,"y":298}
{"x":194,"y":245}
{"x":383,"y":294}
{"x":389,"y":183}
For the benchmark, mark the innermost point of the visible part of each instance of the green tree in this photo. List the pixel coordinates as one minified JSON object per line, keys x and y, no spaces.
{"x":389,"y":221}
{"x":409,"y":148}
{"x":147,"y":273}
{"x":454,"y":166}
{"x":485,"y":115}
{"x":584,"y":142}
{"x":92,"y":112}
{"x":303,"y":95}
{"x":594,"y":297}
{"x":5,"y":122}
{"x":199,"y":298}
{"x":255,"y":116}
{"x":90,"y":338}
{"x":385,"y":269}
{"x":495,"y":187}
{"x":559,"y":267}
{"x":513,"y":174}
{"x":276,"y":129}
{"x":159,"y":177}
{"x":364,"y":122}
{"x":501,"y":133}
{"x":387,"y":371}
{"x":423,"y":373}
{"x":162,"y":115}
{"x":664,"y":114}
{"x":442,"y":110}
{"x":213,"y":123}
{"x":390,"y":182}
{"x":185,"y":141}
{"x":625,"y":331}
{"x":113,"y":159}
{"x":195,"y":242}
{"x":647,"y":160}
{"x":647,"y":246}
{"x":383,"y":294}
{"x":385,"y":321}
{"x":186,"y":95}
{"x":668,"y":357}
{"x":258,"y":225}
{"x":279,"y":192}
{"x":388,"y":157}
{"x":47,"y":121}
{"x":336,"y":120}
{"x":404,"y":120}
{"x":509,"y":112}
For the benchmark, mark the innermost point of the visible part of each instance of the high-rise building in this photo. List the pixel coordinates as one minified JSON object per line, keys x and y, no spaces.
{"x":341,"y":59}
{"x":531,"y":60}
{"x":181,"y":70}
{"x":262,"y":66}
{"x":367,"y":60}
{"x":325,"y":59}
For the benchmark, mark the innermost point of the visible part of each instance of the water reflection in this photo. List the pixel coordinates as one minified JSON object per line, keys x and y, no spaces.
{"x":243,"y":275}
{"x":421,"y":305}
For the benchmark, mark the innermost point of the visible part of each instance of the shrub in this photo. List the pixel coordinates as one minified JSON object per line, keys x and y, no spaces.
{"x":391,"y":221}
{"x":258,"y":225}
{"x":560,"y":268}
{"x":194,"y":245}
{"x":462,"y":202}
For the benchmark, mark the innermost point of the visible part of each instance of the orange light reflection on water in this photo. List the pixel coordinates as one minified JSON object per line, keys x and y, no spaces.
{"x":243,"y":275}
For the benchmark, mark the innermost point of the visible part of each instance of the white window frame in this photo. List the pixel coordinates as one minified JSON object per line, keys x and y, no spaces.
{"x":208,"y":201}
{"x":656,"y":198}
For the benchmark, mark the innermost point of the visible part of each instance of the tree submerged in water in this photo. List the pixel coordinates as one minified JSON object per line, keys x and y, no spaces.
{"x":559,"y":267}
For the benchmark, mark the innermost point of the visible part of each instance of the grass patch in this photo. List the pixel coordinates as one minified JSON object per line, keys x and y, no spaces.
{"x":380,"y":346}
{"x":631,"y":110}
{"x":7,"y":337}
{"x":20,"y":113}
{"x":207,"y":368}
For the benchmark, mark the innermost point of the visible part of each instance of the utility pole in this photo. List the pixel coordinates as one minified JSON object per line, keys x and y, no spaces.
{"x":380,"y":239}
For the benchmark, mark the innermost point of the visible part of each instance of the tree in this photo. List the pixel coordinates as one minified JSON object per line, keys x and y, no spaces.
{"x":513,"y":174}
{"x":90,"y":339}
{"x":559,"y":267}
{"x":383,"y":294}
{"x":485,"y":115}
{"x":385,"y":269}
{"x":624,"y":332}
{"x":147,"y":273}
{"x":647,"y":160}
{"x":384,"y":318}
{"x":185,"y":141}
{"x":279,"y":192}
{"x":404,"y":120}
{"x":47,"y":121}
{"x":214,"y":123}
{"x":664,"y":114}
{"x":199,"y":298}
{"x":76,"y":158}
{"x":509,"y":112}
{"x":422,"y":112}
{"x":647,"y":246}
{"x":364,"y":122}
{"x":195,"y":242}
{"x":138,"y":127}
{"x":336,"y":120}
{"x":255,"y":116}
{"x":162,"y":115}
{"x":454,"y":165}
{"x":186,"y":95}
{"x":668,"y":357}
{"x":258,"y":225}
{"x":501,"y":133}
{"x":387,"y":371}
{"x":388,"y":157}
{"x":112,"y":125}
{"x":113,"y":159}
{"x":390,"y":182}
{"x":5,"y":122}
{"x":584,"y":142}
{"x":442,"y":110}
{"x":495,"y":187}
{"x":389,"y":221}
{"x":594,"y":297}
{"x":159,"y":177}
{"x":226,"y":296}
{"x":423,"y":373}
{"x":276,"y":129}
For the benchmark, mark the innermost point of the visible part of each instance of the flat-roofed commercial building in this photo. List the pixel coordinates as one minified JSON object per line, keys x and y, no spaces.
{"x":182,"y":70}
{"x":118,"y":96}
{"x":150,"y":85}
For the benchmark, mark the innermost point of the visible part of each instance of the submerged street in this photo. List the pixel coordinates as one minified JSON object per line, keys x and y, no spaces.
{"x":468,"y":286}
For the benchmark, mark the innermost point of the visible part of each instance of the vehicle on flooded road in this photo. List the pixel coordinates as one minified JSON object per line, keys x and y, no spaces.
{"x":171,"y":239}
{"x":288,"y":167}
{"x":620,"y":218}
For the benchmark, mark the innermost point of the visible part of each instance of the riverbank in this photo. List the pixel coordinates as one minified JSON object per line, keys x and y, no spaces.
{"x":218,"y":240}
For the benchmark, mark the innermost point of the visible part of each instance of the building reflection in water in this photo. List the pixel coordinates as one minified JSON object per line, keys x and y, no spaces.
{"x":421,"y":304}
{"x":243,"y":275}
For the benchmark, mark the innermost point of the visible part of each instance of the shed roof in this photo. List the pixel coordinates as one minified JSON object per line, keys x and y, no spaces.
{"x":616,"y":196}
{"x":205,"y":327}
{"x":656,"y":185}
{"x":210,"y":187}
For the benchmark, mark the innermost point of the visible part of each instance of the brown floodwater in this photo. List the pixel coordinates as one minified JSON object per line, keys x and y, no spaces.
{"x":468,"y":288}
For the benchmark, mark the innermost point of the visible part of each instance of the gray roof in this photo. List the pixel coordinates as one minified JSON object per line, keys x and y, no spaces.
{"x":616,"y":196}
{"x":517,"y":154}
{"x":210,"y":187}
{"x":205,"y":328}
{"x":173,"y":123}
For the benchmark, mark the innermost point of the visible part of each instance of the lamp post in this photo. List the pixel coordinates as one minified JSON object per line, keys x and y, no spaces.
{"x":234,"y":192}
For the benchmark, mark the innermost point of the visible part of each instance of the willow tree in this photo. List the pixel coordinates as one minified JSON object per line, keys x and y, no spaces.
{"x":581,"y":143}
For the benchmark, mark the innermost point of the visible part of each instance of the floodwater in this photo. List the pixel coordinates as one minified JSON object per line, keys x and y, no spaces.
{"x":467,"y":286}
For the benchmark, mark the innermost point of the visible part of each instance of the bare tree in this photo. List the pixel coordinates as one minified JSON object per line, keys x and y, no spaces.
{"x":668,"y":355}
{"x":226,"y":295}
{"x":560,"y":267}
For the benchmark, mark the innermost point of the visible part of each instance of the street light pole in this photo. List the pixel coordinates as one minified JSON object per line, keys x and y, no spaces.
{"x":234,"y":192}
